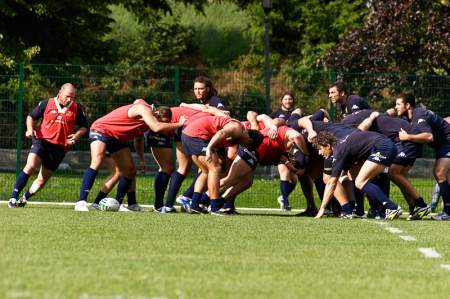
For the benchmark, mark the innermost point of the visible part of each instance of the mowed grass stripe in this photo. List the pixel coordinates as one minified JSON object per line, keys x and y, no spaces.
{"x":53,"y":251}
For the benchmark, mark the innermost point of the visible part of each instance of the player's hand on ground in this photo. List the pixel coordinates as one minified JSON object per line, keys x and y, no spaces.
{"x":320,"y":213}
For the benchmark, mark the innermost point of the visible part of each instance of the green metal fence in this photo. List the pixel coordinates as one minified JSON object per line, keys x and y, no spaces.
{"x":100,"y":89}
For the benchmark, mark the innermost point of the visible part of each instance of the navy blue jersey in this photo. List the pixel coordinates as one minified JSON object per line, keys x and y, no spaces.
{"x":356,"y":118}
{"x":215,"y":101}
{"x":354,"y":148}
{"x":292,"y":122}
{"x":354,"y":103}
{"x":425,"y":120}
{"x":280,"y":113}
{"x":39,"y":110}
{"x":340,"y":131}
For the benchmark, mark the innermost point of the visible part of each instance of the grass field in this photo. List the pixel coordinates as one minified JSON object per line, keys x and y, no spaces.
{"x":54,"y":252}
{"x":263,"y":193}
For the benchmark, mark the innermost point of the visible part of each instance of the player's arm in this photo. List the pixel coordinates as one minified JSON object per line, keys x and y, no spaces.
{"x":327,"y":195}
{"x":425,"y":137}
{"x":144,"y":112}
{"x":82,"y":124}
{"x":30,"y":127}
{"x":35,"y":114}
{"x":297,"y":138}
{"x":367,"y":123}
{"x":306,"y":124}
{"x":232,"y":130}
{"x":272,"y":123}
{"x":206,"y":108}
{"x":139,"y":146}
{"x":251,"y":117}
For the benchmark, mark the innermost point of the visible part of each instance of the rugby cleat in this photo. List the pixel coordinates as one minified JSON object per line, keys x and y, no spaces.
{"x":307,"y":213}
{"x":441,"y":217}
{"x":185,"y":203}
{"x":419,"y":213}
{"x":22,"y":202}
{"x":284,"y":205}
{"x":12,"y":203}
{"x":168,"y":210}
{"x":135,"y":208}
{"x":393,"y":214}
{"x":95,"y":206}
{"x":81,"y":206}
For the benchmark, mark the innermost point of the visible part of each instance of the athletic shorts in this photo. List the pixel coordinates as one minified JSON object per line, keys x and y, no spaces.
{"x":178,"y":132}
{"x":112,"y":145}
{"x":249,"y":157}
{"x":50,"y":154}
{"x":153,"y":139}
{"x":328,"y":165}
{"x":383,"y":152}
{"x":442,"y":151}
{"x":194,"y":146}
{"x":300,"y":159}
{"x":407,"y":153}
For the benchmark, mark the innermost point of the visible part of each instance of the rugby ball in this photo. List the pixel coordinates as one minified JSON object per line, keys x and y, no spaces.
{"x":109,"y":204}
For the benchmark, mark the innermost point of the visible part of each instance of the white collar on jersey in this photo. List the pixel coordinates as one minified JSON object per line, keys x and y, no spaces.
{"x":58,"y":105}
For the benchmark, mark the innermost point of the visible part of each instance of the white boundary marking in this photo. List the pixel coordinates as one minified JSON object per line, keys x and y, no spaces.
{"x":430,"y":253}
{"x":393,"y":230}
{"x":445,"y":266}
{"x":408,"y":238}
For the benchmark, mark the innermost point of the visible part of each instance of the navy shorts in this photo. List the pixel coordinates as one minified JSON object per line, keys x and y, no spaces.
{"x":383,"y":152}
{"x":442,"y":151}
{"x":178,"y":133}
{"x":112,"y":145}
{"x":300,"y":159}
{"x":328,"y":165}
{"x":249,"y":157}
{"x":50,"y":154}
{"x":407,"y":153}
{"x":153,"y":139}
{"x":194,"y":146}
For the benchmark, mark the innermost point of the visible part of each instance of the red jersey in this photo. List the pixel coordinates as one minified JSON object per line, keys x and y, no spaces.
{"x":205,"y":127}
{"x":247,"y":125}
{"x":57,"y":123}
{"x":190,"y":113}
{"x":271,"y":150}
{"x":118,"y":125}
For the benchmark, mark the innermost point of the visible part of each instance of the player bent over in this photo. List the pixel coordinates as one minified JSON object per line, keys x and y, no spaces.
{"x":373,"y":149}
{"x":51,"y":140}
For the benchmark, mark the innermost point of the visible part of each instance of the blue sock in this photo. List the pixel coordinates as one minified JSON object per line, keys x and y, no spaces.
{"x":122,"y":188}
{"x":384,"y":183}
{"x":190,"y":191}
{"x":176,"y":179}
{"x":419,"y":202}
{"x":195,"y":200}
{"x":286,"y":189}
{"x":229,"y":203}
{"x":347,"y":208}
{"x":205,"y":200}
{"x":374,"y":204}
{"x":21,"y":181}
{"x":359,"y":200}
{"x":28,"y":194}
{"x":217,"y":204}
{"x":160,"y":185}
{"x":445,"y":193}
{"x":100,"y":196}
{"x":88,"y":181}
{"x":320,"y":187}
{"x":131,"y":197}
{"x":375,"y":192}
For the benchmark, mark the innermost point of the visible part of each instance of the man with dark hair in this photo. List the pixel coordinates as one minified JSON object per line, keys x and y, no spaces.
{"x":436,"y":132}
{"x":348,"y":103}
{"x":374,"y":150}
{"x":51,"y":140}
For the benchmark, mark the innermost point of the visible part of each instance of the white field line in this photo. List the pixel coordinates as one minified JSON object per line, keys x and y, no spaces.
{"x":393,"y":230}
{"x":445,"y":266}
{"x":430,"y":253}
{"x":407,"y":238}
{"x":147,"y":206}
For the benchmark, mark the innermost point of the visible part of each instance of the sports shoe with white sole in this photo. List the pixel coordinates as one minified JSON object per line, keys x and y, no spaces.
{"x":441,"y":217}
{"x":168,"y":210}
{"x":12,"y":203}
{"x":284,"y":206}
{"x":135,"y":207}
{"x":185,"y":203}
{"x":95,"y":206}
{"x":393,"y":214}
{"x":81,"y":206}
{"x":123,"y":208}
{"x":419,"y":213}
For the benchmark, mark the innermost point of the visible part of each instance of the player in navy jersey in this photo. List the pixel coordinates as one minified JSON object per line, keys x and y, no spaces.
{"x":288,"y":180}
{"x":374,"y":150}
{"x":51,"y":140}
{"x":348,"y":104}
{"x":436,"y":132}
{"x":408,"y":151}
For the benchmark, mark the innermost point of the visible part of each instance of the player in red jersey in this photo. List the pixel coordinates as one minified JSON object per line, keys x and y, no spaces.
{"x":111,"y":133}
{"x":203,"y":139}
{"x":51,"y":140}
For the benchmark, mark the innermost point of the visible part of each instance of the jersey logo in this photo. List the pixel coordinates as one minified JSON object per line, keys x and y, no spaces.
{"x":355,"y":107}
{"x":402,"y":154}
{"x":204,"y":149}
{"x":421,"y":120}
{"x":447,"y":154}
{"x":378,"y":156}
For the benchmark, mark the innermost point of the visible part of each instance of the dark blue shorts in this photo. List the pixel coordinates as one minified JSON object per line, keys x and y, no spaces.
{"x":328,"y":165}
{"x":407,"y":153}
{"x":383,"y":152}
{"x":300,"y":159}
{"x":177,"y":136}
{"x":112,"y":145}
{"x":194,"y":146}
{"x":50,"y":154}
{"x":442,"y":151}
{"x":153,"y":139}
{"x":249,"y":157}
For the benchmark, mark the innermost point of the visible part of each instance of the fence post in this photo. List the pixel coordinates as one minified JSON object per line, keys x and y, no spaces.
{"x":20,"y":119}
{"x":333,"y":78}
